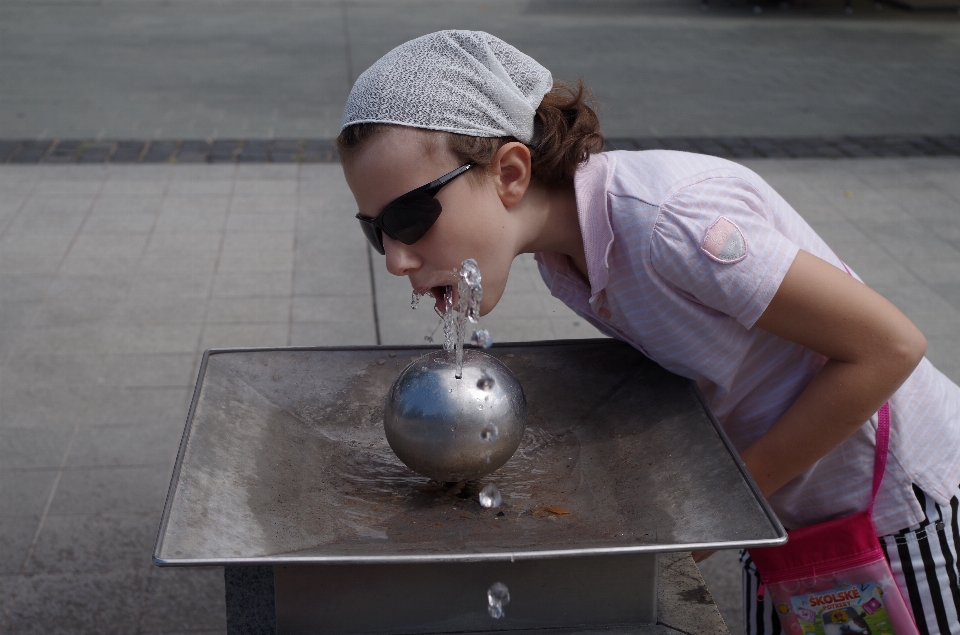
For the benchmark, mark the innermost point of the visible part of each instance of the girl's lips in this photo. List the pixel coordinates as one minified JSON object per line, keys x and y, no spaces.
{"x":438,"y":293}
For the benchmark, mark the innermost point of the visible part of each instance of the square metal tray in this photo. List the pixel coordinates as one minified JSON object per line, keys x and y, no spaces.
{"x":284,"y":461}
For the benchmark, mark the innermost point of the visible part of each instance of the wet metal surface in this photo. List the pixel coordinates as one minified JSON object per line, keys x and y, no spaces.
{"x":450,"y":429}
{"x":284,"y":461}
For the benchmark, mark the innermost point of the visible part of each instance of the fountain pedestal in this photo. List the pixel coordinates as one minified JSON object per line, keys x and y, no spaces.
{"x":284,"y":465}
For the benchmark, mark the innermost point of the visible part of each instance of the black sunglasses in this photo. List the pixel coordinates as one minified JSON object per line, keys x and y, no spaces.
{"x":409,"y":217}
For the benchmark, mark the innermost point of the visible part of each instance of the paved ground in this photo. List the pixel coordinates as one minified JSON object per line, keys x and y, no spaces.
{"x":113,"y":279}
{"x":144,"y":69}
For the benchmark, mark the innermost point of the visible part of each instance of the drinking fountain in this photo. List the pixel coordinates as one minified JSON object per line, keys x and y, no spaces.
{"x":609,"y":468}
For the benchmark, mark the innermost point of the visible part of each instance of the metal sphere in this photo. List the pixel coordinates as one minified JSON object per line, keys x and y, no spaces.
{"x":450,"y":429}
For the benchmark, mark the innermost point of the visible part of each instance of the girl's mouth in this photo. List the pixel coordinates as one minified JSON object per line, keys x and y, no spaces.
{"x":439,"y":304}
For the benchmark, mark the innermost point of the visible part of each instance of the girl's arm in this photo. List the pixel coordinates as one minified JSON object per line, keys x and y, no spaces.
{"x":872,"y":348}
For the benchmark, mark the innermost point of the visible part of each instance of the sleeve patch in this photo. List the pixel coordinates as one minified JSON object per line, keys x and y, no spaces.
{"x":724,"y":242}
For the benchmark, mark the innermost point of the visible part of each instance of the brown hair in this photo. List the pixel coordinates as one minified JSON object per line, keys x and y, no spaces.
{"x":566,"y":133}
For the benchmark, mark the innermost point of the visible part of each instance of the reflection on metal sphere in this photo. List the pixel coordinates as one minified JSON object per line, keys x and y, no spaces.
{"x":450,"y":429}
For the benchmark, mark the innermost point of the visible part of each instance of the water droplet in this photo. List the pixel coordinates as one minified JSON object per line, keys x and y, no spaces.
{"x":485,"y":382}
{"x":489,"y":433}
{"x":470,"y":290}
{"x":414,"y":299}
{"x":498,"y":596}
{"x":490,"y":497}
{"x":481,"y":337}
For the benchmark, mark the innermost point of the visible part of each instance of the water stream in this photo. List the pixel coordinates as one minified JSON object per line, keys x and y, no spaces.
{"x":455,"y":318}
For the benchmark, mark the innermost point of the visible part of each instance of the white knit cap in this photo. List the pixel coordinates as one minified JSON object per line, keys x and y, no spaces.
{"x":467,"y":82}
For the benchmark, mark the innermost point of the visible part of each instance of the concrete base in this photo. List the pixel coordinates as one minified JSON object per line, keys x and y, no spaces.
{"x":684,"y":604}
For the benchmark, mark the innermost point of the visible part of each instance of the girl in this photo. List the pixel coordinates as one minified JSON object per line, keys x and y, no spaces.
{"x":457,"y":145}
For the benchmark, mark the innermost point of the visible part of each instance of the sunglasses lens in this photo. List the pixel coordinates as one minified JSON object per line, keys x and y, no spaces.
{"x":373,"y":235}
{"x":409,"y":220}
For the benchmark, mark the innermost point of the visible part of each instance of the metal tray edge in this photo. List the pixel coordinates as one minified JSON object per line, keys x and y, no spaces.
{"x":482,"y":557}
{"x":764,"y":505}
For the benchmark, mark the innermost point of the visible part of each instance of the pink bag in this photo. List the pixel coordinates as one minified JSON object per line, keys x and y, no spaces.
{"x":832,"y":578}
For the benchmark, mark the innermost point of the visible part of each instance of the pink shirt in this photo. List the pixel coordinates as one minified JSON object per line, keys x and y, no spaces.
{"x":684,"y":253}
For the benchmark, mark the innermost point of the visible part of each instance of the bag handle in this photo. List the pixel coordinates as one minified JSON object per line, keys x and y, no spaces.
{"x":883,"y":445}
{"x":883,"y":437}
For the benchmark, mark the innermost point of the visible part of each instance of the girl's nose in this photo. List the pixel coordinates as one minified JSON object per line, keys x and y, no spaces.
{"x":401,"y":260}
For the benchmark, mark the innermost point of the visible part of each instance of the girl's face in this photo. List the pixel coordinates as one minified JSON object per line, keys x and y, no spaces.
{"x":474,"y":222}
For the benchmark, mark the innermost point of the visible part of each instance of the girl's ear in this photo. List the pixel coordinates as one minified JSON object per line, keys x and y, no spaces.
{"x":511,"y":171}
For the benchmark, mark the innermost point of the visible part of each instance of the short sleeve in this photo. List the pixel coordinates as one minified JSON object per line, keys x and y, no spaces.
{"x":715,"y":240}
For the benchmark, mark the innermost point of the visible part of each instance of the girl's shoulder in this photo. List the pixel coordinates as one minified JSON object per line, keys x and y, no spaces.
{"x":657,"y":176}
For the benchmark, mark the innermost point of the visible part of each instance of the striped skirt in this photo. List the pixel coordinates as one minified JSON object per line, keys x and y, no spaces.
{"x":924,"y":562}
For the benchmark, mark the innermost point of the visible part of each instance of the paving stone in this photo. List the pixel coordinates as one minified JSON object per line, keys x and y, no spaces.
{"x":156,"y":370}
{"x":48,"y":407}
{"x":677,"y":143}
{"x":336,"y":308}
{"x":95,"y":152}
{"x":17,"y":314}
{"x":193,"y":151}
{"x":63,"y":152}
{"x":7,"y":584}
{"x":951,"y":143}
{"x":247,"y":310}
{"x":286,"y":151}
{"x":16,"y":534}
{"x":906,"y":147}
{"x":720,"y":148}
{"x":223,"y":150}
{"x":112,"y":490}
{"x":190,"y":189}
{"x":25,"y":492}
{"x":948,"y":291}
{"x":253,"y":283}
{"x":36,"y":369}
{"x":160,"y":152}
{"x":35,"y":447}
{"x":131,"y":223}
{"x":155,"y":443}
{"x":255,"y":150}
{"x":128,"y":151}
{"x":136,"y":406}
{"x":135,"y":188}
{"x":245,"y":335}
{"x":185,"y":600}
{"x":335,"y":333}
{"x":93,"y":544}
{"x":265,"y":187}
{"x":161,"y":310}
{"x":30,"y":152}
{"x":7,"y":148}
{"x":620,"y":143}
{"x":29,"y":286}
{"x":104,"y":603}
{"x":153,"y":338}
{"x":318,"y":150}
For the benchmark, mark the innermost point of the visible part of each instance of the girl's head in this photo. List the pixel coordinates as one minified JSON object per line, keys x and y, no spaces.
{"x":449,"y":100}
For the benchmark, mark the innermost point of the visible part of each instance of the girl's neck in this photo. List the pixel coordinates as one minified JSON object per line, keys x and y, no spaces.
{"x":551,"y":224}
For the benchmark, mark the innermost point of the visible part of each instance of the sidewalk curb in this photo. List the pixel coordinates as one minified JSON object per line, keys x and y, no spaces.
{"x":57,"y":151}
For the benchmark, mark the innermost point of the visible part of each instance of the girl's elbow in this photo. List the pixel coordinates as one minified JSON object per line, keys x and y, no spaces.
{"x":909,"y":349}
